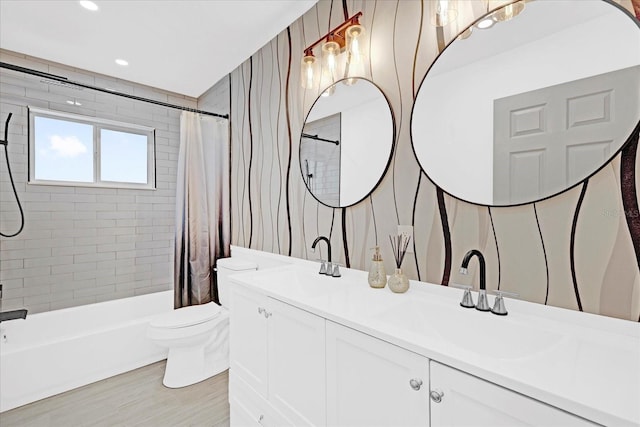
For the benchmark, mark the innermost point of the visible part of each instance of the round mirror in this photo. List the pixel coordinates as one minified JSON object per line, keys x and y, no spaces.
{"x":529,"y":101}
{"x":346,"y":142}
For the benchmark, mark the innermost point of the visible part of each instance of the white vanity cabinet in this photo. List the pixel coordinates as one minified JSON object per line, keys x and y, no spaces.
{"x":373,"y":383}
{"x":277,"y":362}
{"x":460,"y":399}
{"x":355,"y":357}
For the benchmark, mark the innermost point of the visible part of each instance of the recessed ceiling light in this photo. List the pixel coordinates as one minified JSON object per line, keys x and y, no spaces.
{"x":486,"y":23}
{"x":122,"y":62}
{"x":89,"y":5}
{"x":70,"y":102}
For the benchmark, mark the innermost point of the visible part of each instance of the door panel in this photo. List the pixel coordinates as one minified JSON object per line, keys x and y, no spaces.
{"x":297,"y":382}
{"x":470,"y":401}
{"x":573,"y":127}
{"x":248,"y":339}
{"x":368,"y":381}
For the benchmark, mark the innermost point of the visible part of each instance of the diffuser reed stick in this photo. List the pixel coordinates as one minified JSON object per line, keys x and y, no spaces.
{"x":399,"y":245}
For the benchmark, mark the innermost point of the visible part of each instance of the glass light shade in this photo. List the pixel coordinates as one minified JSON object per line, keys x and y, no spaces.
{"x":331,"y":63}
{"x":309,"y":72}
{"x":466,"y":33}
{"x":443,"y":12}
{"x":509,"y":11}
{"x":356,"y":53}
{"x":329,"y":91}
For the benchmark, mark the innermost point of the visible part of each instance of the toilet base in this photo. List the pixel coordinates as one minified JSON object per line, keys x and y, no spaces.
{"x":190,"y":365}
{"x":186,"y":368}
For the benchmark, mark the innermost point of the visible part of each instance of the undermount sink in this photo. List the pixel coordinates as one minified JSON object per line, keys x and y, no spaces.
{"x":483,"y":333}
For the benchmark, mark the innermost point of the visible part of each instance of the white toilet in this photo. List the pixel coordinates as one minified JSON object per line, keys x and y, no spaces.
{"x":198,"y":336}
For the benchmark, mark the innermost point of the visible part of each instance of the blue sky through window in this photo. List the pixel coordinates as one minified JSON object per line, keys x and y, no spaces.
{"x":63,"y":150}
{"x":123,"y":156}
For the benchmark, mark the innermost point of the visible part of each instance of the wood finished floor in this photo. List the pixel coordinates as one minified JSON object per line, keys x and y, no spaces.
{"x":135,"y":398}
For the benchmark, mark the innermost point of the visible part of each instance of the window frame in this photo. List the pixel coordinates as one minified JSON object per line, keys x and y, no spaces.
{"x":97,"y":124}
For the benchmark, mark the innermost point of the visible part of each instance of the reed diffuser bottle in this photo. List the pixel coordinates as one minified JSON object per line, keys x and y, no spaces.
{"x":398,"y":282}
{"x":377,"y":274}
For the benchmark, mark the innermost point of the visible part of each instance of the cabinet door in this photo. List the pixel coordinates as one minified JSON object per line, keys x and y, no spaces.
{"x":369,"y":381}
{"x":248,"y":340}
{"x":297,"y":384}
{"x":470,"y":401}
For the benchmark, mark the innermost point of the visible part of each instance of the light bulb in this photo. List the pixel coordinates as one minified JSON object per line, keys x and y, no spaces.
{"x":330,"y":52}
{"x":308,"y":71}
{"x":356,"y":53}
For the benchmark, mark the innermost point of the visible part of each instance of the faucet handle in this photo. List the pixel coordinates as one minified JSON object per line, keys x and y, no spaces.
{"x":467,"y":298}
{"x":323,"y":266}
{"x":498,"y":305}
{"x":500,"y":294}
{"x":329,"y":269}
{"x":483,"y":303}
{"x":336,"y":270}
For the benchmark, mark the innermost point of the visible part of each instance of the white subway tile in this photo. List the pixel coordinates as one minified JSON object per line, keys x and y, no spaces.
{"x":9,"y":264}
{"x":24,"y":272}
{"x":72,"y":268}
{"x":77,"y":250}
{"x":98,"y":290}
{"x":94,"y":257}
{"x":93,"y":274}
{"x":53,"y":260}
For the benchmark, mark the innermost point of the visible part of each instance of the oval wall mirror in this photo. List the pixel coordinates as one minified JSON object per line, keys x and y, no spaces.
{"x":346,"y":142}
{"x":532,"y":105}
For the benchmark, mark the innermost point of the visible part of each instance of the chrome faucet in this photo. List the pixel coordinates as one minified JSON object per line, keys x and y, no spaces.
{"x":483,"y":304}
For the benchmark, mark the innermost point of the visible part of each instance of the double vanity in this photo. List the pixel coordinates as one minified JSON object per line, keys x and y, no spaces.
{"x":308,"y":349}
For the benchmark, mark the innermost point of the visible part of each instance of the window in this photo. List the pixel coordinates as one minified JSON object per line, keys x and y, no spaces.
{"x":68,"y":149}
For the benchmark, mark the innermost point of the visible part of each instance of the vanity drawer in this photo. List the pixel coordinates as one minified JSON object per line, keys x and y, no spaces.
{"x":249,"y":409}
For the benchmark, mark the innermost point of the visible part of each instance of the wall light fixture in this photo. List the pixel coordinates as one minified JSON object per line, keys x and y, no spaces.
{"x":504,"y":13}
{"x":348,"y":39}
{"x":443,"y":12}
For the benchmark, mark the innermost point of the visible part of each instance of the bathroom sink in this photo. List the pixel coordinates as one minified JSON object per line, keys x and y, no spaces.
{"x":294,"y":282}
{"x":502,"y":337}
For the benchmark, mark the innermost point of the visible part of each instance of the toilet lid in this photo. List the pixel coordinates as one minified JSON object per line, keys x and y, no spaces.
{"x":187,"y":316}
{"x":236,"y":264}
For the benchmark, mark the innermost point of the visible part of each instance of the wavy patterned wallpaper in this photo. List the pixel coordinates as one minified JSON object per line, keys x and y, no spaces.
{"x":577,"y":250}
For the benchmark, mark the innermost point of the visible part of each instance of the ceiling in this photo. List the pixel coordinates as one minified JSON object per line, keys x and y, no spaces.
{"x":181,"y":46}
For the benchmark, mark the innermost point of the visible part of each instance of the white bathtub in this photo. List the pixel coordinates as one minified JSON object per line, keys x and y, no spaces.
{"x":52,"y":352}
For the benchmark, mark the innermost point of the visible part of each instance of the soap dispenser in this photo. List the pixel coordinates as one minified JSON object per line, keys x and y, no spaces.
{"x":377,"y":275}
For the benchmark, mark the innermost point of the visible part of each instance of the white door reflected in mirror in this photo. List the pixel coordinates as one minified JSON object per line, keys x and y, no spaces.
{"x":532,"y":106}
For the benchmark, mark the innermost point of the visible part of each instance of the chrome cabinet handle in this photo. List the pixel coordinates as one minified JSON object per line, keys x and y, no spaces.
{"x":415,"y":383}
{"x":436,"y":395}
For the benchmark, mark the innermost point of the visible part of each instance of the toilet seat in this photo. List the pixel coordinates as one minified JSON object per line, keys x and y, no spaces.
{"x":187,"y":316}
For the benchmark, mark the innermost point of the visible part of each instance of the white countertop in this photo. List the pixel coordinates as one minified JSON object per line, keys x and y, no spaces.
{"x":585,"y":364}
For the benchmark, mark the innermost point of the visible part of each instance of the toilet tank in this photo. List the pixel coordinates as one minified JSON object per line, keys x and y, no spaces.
{"x":226,"y":267}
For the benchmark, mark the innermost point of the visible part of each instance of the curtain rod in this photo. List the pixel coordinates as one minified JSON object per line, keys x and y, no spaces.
{"x":66,"y":81}
{"x":317,"y":138}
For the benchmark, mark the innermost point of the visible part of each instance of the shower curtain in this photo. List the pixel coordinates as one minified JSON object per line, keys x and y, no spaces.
{"x":203,"y":217}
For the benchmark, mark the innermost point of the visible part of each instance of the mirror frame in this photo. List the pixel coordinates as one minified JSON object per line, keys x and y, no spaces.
{"x":391,"y":151}
{"x":635,"y":133}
